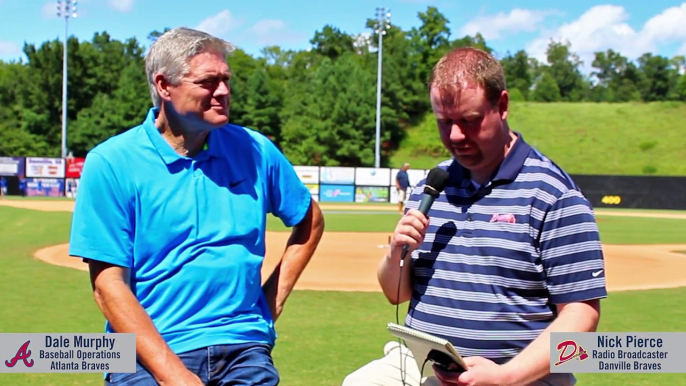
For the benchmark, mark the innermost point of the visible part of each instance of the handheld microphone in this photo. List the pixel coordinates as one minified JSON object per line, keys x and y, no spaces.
{"x":435,"y":183}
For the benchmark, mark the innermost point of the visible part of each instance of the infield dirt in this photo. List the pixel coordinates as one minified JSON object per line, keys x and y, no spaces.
{"x":347,"y":261}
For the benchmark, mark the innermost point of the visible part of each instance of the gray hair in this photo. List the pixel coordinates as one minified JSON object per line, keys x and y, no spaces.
{"x":170,"y":53}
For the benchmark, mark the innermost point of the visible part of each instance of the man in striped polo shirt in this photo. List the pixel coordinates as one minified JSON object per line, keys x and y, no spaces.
{"x":509,"y":252}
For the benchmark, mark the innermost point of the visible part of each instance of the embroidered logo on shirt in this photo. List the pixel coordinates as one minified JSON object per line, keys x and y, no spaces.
{"x":508,"y":218}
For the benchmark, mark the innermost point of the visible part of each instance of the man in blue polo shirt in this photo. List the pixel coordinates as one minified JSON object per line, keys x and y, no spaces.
{"x":171,"y":218}
{"x":508,"y":253}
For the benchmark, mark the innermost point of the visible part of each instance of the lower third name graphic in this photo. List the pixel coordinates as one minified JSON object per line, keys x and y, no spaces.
{"x":78,"y":354}
{"x":79,"y":341}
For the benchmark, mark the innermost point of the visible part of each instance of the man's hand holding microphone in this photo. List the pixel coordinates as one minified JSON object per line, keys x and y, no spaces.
{"x":408,"y":236}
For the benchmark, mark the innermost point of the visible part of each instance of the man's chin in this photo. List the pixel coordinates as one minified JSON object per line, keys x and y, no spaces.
{"x":468,"y":161}
{"x":218,"y":120}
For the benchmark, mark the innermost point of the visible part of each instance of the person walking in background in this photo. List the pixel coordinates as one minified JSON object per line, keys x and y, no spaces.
{"x":509,"y":252}
{"x":402,"y":185}
{"x":22,"y":186}
{"x":3,"y":186}
{"x":171,"y":218}
{"x":70,"y":189}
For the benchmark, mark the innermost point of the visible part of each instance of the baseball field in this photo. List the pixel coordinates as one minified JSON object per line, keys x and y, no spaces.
{"x":335,"y":320}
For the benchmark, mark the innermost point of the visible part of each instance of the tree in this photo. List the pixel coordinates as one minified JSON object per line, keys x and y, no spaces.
{"x":112,"y":114}
{"x":546,"y":89}
{"x":563,"y":66}
{"x":618,"y":78}
{"x":241,"y":65}
{"x":659,"y":76}
{"x":318,"y":105}
{"x":336,"y":126}
{"x":431,"y":40}
{"x":518,"y":72}
{"x":263,"y":105}
{"x":331,"y":42}
{"x":152,"y":36}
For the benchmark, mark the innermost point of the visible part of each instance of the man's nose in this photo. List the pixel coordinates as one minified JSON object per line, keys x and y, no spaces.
{"x":222,"y":89}
{"x":456,"y":133}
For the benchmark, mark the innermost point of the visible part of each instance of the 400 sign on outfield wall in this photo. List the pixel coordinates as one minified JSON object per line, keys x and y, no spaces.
{"x":611,"y":200}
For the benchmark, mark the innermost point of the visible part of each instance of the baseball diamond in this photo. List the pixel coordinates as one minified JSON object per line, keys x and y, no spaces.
{"x":346,"y":261}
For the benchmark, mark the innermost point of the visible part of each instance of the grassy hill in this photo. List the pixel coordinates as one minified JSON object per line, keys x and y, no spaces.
{"x":583,"y":138}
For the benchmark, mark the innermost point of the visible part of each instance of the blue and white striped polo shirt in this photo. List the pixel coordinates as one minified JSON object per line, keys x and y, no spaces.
{"x":494,"y":259}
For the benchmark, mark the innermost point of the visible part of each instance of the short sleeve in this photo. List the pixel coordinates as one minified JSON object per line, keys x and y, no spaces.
{"x":571,"y":251}
{"x":102,"y":223}
{"x":289,"y":198}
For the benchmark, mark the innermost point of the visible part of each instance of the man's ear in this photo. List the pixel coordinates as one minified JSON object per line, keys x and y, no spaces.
{"x":162,"y":86}
{"x":504,"y":104}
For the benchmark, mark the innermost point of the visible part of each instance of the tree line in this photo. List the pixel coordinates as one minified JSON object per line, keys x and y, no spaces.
{"x":317,"y":105}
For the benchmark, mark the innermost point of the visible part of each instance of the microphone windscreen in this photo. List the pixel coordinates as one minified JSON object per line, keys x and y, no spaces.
{"x":436,"y":181}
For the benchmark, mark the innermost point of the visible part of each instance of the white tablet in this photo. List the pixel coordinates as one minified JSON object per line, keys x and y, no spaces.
{"x":426,"y":347}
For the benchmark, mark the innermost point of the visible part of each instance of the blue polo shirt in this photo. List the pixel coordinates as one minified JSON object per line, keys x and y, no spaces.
{"x":190,"y":229}
{"x":403,"y":179}
{"x":498,"y":257}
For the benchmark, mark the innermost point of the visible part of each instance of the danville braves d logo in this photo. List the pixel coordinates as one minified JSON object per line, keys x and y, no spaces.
{"x":581,"y":354}
{"x":22,"y":354}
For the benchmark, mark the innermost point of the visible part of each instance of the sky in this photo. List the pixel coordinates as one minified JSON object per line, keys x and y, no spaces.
{"x":630,"y":27}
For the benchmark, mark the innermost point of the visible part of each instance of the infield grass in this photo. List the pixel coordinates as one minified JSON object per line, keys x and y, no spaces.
{"x":322,"y":335}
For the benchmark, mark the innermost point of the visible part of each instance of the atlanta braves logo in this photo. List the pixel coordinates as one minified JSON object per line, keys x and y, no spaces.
{"x":22,"y":354}
{"x":576,"y":352}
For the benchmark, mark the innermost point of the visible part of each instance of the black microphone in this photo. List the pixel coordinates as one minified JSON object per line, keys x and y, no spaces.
{"x":435,"y":183}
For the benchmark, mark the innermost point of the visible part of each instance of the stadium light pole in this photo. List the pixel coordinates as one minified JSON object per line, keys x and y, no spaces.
{"x":65,"y":9}
{"x":383,"y":23}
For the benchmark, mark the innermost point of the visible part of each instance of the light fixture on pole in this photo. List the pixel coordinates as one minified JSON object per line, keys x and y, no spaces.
{"x":65,"y":9}
{"x":383,"y":23}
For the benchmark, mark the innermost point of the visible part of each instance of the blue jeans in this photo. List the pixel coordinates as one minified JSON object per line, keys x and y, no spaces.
{"x":222,"y":365}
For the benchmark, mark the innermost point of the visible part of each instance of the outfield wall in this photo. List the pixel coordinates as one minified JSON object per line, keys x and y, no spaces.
{"x":644,"y":192}
{"x":57,"y":177}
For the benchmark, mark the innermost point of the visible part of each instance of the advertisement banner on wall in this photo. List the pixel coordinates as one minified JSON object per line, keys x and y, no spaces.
{"x":313,"y":188}
{"x":372,"y":176}
{"x":337,"y":193}
{"x":414,"y":175}
{"x":45,"y":167}
{"x":371,"y":194}
{"x":307,"y":174}
{"x":74,"y":167}
{"x":46,"y":187}
{"x":11,"y":166}
{"x":337,"y":175}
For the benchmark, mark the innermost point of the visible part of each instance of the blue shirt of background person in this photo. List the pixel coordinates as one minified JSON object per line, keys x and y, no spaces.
{"x":402,"y":184}
{"x":22,"y":185}
{"x":403,"y":179}
{"x":180,"y":221}
{"x":3,"y":186}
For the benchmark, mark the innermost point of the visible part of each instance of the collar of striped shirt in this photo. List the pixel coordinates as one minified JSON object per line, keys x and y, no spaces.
{"x":505,"y":173}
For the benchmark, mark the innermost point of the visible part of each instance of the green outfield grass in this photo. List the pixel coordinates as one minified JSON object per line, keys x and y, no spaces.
{"x":322,"y":335}
{"x":613,"y":229}
{"x":583,"y":138}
